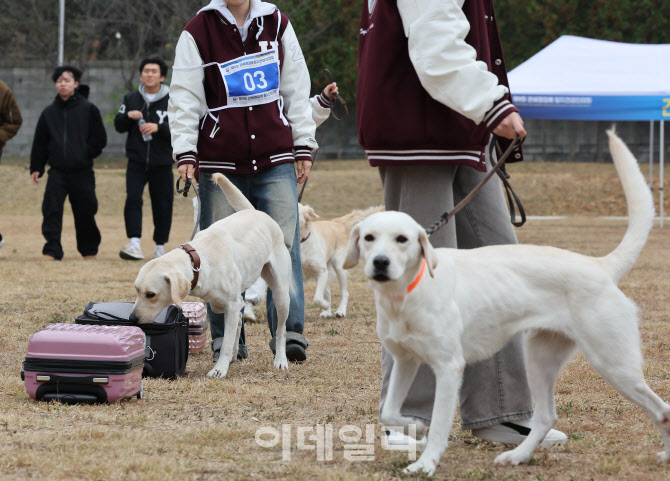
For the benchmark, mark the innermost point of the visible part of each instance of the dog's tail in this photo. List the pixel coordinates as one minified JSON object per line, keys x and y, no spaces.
{"x":355,"y":216}
{"x":640,"y":210}
{"x":235,"y":198}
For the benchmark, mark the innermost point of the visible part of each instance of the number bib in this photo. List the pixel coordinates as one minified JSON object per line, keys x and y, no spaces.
{"x":252,"y":79}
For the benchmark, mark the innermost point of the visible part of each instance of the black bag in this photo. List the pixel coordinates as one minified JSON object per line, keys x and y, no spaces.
{"x":167,"y":336}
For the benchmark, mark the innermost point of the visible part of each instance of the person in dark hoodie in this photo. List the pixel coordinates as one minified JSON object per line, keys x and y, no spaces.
{"x":143,"y":115}
{"x":68,"y":136}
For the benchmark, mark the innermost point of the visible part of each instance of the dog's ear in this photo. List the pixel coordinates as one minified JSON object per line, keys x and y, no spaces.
{"x":353,"y":251}
{"x":310,"y":215}
{"x":179,"y":286}
{"x":428,"y":252}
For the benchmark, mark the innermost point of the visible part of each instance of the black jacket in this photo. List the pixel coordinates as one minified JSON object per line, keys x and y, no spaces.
{"x":68,"y":136}
{"x":157,"y":151}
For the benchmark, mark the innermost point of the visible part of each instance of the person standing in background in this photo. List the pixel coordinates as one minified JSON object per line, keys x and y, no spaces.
{"x":10,"y":121}
{"x":68,"y":137}
{"x":143,"y":115}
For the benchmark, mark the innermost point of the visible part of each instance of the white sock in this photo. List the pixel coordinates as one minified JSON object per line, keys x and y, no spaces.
{"x":135,"y":240}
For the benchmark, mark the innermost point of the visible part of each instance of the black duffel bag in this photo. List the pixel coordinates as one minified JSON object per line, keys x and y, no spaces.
{"x":167,"y":336}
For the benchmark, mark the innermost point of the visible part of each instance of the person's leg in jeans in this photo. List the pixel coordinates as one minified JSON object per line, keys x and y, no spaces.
{"x":214,"y":206}
{"x":275,"y":192}
{"x":81,"y":187}
{"x":425,"y":193}
{"x":55,"y":193}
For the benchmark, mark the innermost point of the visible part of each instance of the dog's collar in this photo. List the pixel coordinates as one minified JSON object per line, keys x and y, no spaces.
{"x":416,"y":281}
{"x":412,"y":285}
{"x":306,"y":237}
{"x":195,"y":262}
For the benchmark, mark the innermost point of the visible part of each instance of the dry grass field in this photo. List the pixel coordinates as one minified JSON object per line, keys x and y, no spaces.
{"x":199,"y":429}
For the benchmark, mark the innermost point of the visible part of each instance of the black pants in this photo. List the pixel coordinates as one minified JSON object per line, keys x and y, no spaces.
{"x":79,"y":186}
{"x":161,"y":191}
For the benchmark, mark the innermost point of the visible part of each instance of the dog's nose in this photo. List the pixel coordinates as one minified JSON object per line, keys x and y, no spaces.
{"x":133,"y":318}
{"x":381,"y":263}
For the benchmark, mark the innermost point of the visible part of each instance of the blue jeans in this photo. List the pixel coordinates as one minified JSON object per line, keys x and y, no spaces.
{"x":273,"y":191}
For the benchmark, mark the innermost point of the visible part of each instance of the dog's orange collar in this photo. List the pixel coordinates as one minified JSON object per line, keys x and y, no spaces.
{"x":412,"y":285}
{"x":416,"y":281}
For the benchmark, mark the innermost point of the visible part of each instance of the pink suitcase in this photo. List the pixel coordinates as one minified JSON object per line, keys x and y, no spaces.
{"x":197,"y":325}
{"x":85,"y":363}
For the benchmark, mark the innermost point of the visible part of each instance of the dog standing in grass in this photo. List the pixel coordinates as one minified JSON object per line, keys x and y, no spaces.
{"x":323,"y":248}
{"x":449,"y":317}
{"x":229,"y":264}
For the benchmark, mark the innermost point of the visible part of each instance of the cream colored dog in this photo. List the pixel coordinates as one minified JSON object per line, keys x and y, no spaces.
{"x":473,"y":301}
{"x":323,"y":248}
{"x":233,"y":253}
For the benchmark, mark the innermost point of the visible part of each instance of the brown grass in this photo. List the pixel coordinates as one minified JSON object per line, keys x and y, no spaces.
{"x":195,"y":428}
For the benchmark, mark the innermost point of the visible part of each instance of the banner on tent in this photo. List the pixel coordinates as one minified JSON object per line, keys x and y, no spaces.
{"x":592,"y":107}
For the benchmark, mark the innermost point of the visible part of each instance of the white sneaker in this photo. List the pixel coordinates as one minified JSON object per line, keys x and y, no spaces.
{"x":401,"y":439}
{"x":159,"y":251}
{"x":132,"y":252}
{"x":248,"y":313}
{"x":516,"y":432}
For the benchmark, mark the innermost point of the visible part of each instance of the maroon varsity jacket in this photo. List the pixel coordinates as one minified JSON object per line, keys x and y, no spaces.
{"x":219,"y":41}
{"x":399,"y":123}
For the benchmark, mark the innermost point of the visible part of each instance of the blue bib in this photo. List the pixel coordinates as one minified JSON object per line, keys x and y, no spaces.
{"x":252,"y":79}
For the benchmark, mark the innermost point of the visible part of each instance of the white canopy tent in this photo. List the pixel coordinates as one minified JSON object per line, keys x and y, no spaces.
{"x":576,"y":78}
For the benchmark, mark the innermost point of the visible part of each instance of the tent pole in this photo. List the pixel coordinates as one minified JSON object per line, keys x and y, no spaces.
{"x":661,"y":134}
{"x":651,"y":154}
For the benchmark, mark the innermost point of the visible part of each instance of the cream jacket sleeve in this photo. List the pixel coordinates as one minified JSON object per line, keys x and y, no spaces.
{"x":445,"y":64}
{"x":187,"y":104}
{"x":319,"y":113}
{"x":294,"y":87}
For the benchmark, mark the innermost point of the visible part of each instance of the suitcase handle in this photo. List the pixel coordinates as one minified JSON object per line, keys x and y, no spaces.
{"x":95,"y":380}
{"x":147,"y":351}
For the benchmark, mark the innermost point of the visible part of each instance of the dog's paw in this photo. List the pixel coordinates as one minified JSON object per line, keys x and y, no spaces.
{"x":281,"y":363}
{"x":217,"y":373}
{"x":511,"y":458}
{"x":663,"y":457}
{"x":341,"y":313}
{"x":327,"y":313}
{"x":422,"y":465}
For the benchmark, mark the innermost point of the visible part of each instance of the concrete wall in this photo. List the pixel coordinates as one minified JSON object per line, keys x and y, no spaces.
{"x":548,"y":140}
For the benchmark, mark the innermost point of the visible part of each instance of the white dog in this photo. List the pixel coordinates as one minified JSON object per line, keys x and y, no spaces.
{"x":323,"y":248}
{"x":233,"y":252}
{"x":449,"y":317}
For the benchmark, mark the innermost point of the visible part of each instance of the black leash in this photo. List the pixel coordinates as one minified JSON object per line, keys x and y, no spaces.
{"x":184,"y":192}
{"x":512,"y":197}
{"x":444,"y":218}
